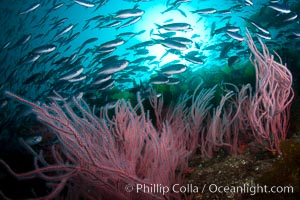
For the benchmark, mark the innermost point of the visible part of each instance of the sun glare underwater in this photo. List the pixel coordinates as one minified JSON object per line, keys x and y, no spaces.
{"x":195,"y":77}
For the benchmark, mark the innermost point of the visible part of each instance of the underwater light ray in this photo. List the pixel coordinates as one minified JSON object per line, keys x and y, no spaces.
{"x":154,"y":16}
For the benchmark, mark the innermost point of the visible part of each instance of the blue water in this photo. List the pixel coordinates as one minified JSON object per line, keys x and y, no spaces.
{"x":19,"y":79}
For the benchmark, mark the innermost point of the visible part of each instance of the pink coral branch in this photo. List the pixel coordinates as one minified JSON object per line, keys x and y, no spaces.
{"x":102,"y":152}
{"x":270,"y":106}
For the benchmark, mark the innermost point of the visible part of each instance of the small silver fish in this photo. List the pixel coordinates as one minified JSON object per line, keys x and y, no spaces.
{"x":84,"y":3}
{"x":33,"y":140}
{"x":32,"y":8}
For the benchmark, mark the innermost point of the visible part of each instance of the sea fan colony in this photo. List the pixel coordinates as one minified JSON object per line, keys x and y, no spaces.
{"x":99,"y":155}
